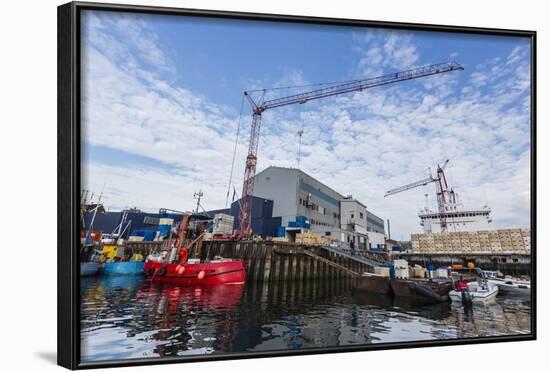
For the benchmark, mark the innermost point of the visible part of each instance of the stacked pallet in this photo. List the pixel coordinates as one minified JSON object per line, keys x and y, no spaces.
{"x":474,"y":240}
{"x":526,"y":234}
{"x":438,"y":243}
{"x":465,"y":242}
{"x":484,"y":241}
{"x":504,"y":241}
{"x":310,"y":238}
{"x":516,"y":239}
{"x":280,"y":239}
{"x":494,"y":242}
{"x":223,"y":224}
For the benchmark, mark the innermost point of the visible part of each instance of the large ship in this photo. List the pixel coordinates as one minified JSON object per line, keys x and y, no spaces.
{"x":456,"y":220}
{"x":450,"y":216}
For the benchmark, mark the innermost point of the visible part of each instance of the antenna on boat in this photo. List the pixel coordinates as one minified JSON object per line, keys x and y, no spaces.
{"x":198,"y":195}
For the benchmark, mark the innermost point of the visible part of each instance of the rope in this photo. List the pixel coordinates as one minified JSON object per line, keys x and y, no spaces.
{"x":234,"y":153}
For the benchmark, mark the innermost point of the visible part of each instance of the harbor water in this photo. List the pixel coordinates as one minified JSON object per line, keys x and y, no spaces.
{"x":129,"y":317}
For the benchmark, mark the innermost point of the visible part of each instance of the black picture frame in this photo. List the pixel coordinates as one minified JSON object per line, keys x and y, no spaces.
{"x":69,"y":69}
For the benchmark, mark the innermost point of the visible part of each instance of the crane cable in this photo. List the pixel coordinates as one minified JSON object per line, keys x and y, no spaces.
{"x":234,"y":153}
{"x":303,"y":86}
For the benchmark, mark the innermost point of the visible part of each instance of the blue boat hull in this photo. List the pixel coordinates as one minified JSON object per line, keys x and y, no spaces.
{"x":123,"y":268}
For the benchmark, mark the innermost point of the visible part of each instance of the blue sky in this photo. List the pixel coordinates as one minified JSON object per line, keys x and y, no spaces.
{"x":162,"y":96}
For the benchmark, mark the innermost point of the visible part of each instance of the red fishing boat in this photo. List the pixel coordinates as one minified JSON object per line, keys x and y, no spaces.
{"x":172,"y":264}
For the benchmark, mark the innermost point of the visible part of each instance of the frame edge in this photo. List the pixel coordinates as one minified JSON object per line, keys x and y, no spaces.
{"x":66,"y":182}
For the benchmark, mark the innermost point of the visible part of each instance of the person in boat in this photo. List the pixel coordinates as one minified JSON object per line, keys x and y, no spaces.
{"x":461,"y":284}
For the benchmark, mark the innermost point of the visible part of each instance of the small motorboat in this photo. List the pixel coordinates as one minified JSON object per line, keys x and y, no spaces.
{"x":509,"y":285}
{"x":471,"y":286}
{"x":172,"y":264}
{"x":477,"y":292}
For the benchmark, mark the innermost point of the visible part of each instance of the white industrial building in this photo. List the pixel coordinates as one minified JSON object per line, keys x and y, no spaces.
{"x":295,"y":193}
{"x":376,"y":231}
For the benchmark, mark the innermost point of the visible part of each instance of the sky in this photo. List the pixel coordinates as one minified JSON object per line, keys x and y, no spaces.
{"x":162,"y":97}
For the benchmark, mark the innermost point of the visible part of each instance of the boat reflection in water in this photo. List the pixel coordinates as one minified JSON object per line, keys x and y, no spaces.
{"x":130,"y":317}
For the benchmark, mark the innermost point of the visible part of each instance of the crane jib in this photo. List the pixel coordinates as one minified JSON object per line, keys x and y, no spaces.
{"x":358,"y":85}
{"x":301,"y":98}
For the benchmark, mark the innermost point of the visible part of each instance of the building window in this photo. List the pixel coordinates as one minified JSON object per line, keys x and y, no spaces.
{"x":361,"y":215}
{"x":327,"y":233}
{"x":352,"y":215}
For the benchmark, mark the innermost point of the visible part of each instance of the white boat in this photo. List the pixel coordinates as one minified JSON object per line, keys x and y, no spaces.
{"x":478,"y":292}
{"x":510,"y":285}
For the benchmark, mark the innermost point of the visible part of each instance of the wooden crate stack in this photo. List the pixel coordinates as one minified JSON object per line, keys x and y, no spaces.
{"x":502,"y":241}
{"x":526,"y":234}
{"x":464,"y":246}
{"x":516,"y":239}
{"x":505,"y":241}
{"x":484,"y":241}
{"x":438,"y":243}
{"x":415,"y":243}
{"x":310,"y":238}
{"x":494,"y":241}
{"x":455,"y":242}
{"x":473,"y":238}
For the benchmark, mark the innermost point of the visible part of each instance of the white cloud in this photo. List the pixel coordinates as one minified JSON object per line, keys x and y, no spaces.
{"x":361,"y":144}
{"x":379,"y":50}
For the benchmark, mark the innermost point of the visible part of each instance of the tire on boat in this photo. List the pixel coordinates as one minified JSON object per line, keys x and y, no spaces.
{"x":161,"y":271}
{"x":150,"y":271}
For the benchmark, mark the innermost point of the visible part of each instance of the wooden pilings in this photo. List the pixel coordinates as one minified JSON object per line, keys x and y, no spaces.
{"x":268,"y":261}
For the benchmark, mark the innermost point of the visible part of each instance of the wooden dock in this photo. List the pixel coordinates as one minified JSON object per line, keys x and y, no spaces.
{"x":272,"y":261}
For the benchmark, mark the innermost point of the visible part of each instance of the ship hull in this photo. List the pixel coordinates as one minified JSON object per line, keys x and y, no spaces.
{"x":123,"y":268}
{"x":210,"y":273}
{"x":372,"y":284}
{"x":422,"y":290}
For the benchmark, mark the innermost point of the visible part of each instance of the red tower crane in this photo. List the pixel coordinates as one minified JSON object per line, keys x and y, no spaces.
{"x":446,"y":197}
{"x":245,"y":217}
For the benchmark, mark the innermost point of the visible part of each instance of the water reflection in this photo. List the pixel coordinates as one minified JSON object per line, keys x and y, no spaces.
{"x":129,"y":317}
